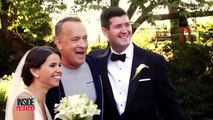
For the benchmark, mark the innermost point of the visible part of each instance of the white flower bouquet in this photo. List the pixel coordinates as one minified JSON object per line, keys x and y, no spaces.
{"x":76,"y":107}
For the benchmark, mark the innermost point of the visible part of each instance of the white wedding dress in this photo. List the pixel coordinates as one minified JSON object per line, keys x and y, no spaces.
{"x":37,"y":112}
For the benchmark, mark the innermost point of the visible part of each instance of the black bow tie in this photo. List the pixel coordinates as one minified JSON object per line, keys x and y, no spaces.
{"x":120,"y":57}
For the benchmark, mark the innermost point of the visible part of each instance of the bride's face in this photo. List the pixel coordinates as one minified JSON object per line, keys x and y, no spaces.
{"x":50,"y":72}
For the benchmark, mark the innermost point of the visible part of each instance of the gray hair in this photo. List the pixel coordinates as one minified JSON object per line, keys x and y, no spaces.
{"x":59,"y":24}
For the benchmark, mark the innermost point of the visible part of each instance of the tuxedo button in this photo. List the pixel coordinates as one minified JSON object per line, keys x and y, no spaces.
{"x":119,"y":80}
{"x":120,"y":93}
{"x":121,"y":105}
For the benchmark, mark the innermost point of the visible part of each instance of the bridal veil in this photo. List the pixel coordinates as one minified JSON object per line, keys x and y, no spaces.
{"x":16,"y":86}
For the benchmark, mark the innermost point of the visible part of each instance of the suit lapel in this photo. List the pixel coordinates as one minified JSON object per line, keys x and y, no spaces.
{"x":138,"y":58}
{"x":103,"y":59}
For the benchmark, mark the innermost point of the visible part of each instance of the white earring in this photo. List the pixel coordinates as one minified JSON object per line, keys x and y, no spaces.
{"x":36,"y":76}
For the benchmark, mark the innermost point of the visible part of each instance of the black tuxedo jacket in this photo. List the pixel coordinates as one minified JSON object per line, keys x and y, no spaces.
{"x":151,"y":96}
{"x":55,"y":94}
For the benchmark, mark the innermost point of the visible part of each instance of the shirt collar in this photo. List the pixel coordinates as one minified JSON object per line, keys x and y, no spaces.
{"x":128,"y":51}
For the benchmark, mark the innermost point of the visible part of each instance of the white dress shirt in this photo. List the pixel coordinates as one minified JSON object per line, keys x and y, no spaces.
{"x":119,"y":76}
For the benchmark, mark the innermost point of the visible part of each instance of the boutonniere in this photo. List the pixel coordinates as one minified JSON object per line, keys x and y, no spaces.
{"x":139,"y":68}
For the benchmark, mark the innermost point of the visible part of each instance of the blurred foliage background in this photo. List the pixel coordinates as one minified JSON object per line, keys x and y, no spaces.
{"x":25,"y":23}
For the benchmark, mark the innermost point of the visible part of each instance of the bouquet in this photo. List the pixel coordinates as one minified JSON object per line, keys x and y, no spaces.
{"x":76,"y":107}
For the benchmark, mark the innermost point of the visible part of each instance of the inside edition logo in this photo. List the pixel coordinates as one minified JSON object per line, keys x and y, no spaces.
{"x":25,"y":104}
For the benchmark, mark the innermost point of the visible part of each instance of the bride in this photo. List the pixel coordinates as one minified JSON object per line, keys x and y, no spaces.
{"x":39,"y":70}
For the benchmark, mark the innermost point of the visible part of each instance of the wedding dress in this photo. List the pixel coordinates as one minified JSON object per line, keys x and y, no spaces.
{"x":37,"y":112}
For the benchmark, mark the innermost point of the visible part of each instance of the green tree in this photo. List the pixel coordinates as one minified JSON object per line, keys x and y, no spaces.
{"x":144,"y":8}
{"x":191,"y":70}
{"x":23,"y":23}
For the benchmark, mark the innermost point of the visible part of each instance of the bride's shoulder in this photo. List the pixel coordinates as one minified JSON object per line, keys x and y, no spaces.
{"x":25,"y":93}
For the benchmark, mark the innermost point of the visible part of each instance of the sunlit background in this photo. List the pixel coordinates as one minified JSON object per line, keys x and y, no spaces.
{"x":91,"y":19}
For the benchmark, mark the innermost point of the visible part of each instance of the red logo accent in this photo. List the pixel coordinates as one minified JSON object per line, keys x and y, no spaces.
{"x":25,"y":104}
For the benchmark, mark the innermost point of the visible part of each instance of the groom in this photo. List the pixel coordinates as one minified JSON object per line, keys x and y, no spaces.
{"x":135,"y":81}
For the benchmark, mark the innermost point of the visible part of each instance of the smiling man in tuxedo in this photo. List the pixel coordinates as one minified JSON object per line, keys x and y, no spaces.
{"x":135,"y":80}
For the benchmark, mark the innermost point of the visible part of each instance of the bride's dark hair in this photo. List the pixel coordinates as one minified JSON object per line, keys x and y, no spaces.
{"x":35,"y":58}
